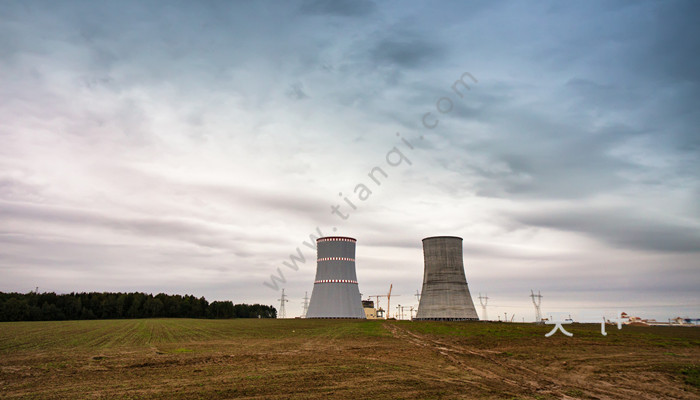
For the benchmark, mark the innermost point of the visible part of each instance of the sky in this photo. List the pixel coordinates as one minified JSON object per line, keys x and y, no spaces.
{"x":192,"y":147}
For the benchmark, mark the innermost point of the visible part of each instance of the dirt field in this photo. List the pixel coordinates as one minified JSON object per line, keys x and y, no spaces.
{"x":318,"y":359}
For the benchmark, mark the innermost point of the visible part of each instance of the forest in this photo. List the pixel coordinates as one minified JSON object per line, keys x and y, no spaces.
{"x":95,"y":305}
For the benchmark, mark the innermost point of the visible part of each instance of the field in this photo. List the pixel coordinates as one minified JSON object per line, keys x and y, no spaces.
{"x":319,"y":359}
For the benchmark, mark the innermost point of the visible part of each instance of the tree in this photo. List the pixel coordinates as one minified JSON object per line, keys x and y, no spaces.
{"x":153,"y":307}
{"x":15,"y":310}
{"x":221,"y":309}
{"x":50,"y":306}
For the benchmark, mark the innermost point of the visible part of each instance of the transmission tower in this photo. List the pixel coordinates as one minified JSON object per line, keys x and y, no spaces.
{"x":306,"y":304}
{"x":282,"y":299}
{"x":417,"y":296}
{"x":537,"y":300}
{"x":484,"y":300}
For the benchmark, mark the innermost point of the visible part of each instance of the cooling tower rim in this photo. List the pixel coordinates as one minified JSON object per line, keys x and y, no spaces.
{"x":442,"y":237}
{"x":340,"y":238}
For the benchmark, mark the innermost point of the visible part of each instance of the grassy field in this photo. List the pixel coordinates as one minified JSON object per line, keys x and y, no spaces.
{"x":318,"y":359}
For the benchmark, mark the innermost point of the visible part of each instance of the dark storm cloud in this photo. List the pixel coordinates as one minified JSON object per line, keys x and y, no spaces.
{"x":529,"y":155}
{"x":675,"y":38}
{"x":559,"y":137}
{"x":406,"y":50}
{"x":620,"y":227}
{"x":343,"y":8}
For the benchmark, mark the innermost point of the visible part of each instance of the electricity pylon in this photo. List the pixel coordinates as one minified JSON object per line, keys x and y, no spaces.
{"x":484,"y":300}
{"x":538,"y":296}
{"x":282,"y":299}
{"x":306,"y":304}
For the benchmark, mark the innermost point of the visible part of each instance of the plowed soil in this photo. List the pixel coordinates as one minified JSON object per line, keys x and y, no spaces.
{"x":319,"y":359}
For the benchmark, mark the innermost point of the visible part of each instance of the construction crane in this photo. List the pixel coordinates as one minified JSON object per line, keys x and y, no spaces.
{"x":388,"y":300}
{"x":377,"y":302}
{"x":379,"y":309}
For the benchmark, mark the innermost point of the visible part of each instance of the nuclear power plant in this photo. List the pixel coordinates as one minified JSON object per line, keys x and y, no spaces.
{"x":336,"y":293}
{"x":445,"y":295}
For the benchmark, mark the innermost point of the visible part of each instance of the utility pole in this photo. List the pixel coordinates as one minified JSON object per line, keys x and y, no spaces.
{"x":484,"y":300}
{"x":537,"y":300}
{"x":399,"y":312}
{"x":306,"y":304}
{"x":282,"y":299}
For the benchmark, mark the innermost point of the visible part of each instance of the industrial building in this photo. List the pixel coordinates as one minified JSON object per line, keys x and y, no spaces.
{"x":370,"y":311}
{"x":445,"y":295}
{"x":336,"y":293}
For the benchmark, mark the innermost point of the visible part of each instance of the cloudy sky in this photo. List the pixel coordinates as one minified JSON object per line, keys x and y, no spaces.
{"x":192,"y":147}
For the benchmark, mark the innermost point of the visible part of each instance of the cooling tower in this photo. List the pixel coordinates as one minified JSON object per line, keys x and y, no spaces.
{"x":335,"y":294}
{"x":445,"y":294}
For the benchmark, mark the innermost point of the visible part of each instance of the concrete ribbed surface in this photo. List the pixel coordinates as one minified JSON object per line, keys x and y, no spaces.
{"x":445,"y":294}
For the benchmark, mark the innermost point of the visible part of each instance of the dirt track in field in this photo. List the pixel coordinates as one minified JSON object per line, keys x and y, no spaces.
{"x":305,"y":359}
{"x":579,"y":377}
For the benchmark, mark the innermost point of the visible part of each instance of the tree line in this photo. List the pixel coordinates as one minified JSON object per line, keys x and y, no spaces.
{"x":51,"y":307}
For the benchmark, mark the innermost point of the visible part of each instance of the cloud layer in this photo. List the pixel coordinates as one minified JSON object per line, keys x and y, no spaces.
{"x":192,"y":148}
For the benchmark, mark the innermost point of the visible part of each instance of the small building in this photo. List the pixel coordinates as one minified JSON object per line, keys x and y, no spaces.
{"x":370,"y":311}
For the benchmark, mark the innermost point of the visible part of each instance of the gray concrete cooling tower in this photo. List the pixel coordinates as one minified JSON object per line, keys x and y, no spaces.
{"x":336,"y":293}
{"x":445,"y":295}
